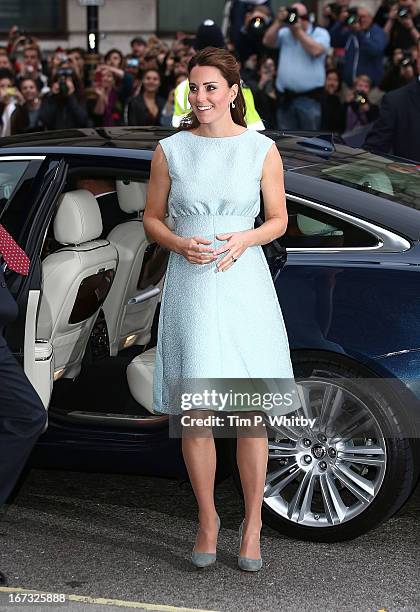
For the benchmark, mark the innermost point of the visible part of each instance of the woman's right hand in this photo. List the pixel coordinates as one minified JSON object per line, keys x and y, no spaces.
{"x":191,"y":249}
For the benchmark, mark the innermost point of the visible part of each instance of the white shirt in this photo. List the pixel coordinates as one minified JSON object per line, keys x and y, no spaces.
{"x":298,"y":70}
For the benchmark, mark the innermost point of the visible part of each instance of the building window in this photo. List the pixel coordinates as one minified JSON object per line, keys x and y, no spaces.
{"x":186,"y":16}
{"x":43,"y":17}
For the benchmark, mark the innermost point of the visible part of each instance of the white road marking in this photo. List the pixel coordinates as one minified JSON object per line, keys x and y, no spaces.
{"x":110,"y":602}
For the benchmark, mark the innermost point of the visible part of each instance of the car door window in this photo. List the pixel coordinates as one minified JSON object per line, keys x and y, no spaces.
{"x":312,"y":228}
{"x":10,"y":174}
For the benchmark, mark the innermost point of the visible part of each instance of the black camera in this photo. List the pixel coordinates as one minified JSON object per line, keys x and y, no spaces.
{"x":360,"y":98}
{"x":353,"y":16}
{"x":407,"y":60}
{"x":292,"y":16}
{"x":403,"y":12}
{"x":62,"y":75}
{"x":256,"y":27}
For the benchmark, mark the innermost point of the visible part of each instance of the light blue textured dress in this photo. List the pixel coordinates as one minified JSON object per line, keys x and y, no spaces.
{"x":217,"y":325}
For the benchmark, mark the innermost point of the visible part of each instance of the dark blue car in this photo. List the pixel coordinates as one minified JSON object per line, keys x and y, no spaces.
{"x":347,"y":278}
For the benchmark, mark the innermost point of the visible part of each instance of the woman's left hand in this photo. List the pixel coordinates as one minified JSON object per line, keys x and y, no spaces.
{"x":237,"y":243}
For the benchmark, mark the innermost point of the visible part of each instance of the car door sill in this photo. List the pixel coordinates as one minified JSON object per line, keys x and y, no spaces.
{"x":109,"y":418}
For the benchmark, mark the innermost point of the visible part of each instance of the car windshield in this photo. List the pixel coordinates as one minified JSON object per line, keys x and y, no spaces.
{"x":390,"y":179}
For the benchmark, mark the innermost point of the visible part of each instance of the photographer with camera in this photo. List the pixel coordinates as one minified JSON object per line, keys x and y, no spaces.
{"x":331,"y":12}
{"x":401,"y":71}
{"x":359,"y":112}
{"x":63,"y":108}
{"x":364,"y":43}
{"x":401,"y":21}
{"x":250,"y":36}
{"x":239,"y":17}
{"x":397,"y":129}
{"x":301,"y":67}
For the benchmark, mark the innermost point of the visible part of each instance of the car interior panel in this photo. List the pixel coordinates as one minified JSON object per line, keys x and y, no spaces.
{"x":129,"y":318}
{"x":113,"y":313}
{"x":77,"y":225}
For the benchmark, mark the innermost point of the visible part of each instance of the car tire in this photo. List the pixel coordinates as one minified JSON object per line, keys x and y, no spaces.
{"x":398,"y":471}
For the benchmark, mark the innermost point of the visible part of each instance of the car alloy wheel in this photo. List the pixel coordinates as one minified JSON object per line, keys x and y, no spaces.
{"x":329,"y":474}
{"x":355,"y":468}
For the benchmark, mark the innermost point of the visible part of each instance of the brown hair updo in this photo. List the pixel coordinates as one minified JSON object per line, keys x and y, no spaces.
{"x":225,"y":62}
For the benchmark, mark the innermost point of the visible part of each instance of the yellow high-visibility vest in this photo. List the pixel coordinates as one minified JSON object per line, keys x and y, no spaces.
{"x":182,"y":106}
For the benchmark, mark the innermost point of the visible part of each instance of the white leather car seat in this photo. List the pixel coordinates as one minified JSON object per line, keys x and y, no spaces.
{"x":128,"y":309}
{"x":140,"y":378}
{"x":76,"y":280}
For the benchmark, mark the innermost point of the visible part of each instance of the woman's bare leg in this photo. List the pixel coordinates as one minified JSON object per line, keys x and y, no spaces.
{"x":199,"y":453}
{"x":252,"y":457}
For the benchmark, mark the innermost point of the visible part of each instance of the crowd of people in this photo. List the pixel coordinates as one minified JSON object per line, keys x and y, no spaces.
{"x":302,"y":74}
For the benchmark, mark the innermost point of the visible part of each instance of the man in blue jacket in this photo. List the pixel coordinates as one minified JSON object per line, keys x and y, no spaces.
{"x":22,"y":415}
{"x":364,"y":43}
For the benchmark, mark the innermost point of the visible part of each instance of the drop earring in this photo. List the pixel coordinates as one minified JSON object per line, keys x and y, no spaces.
{"x":232,"y":104}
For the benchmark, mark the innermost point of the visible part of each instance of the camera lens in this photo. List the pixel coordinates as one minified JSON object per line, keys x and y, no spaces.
{"x":360,"y":98}
{"x":353,"y":16}
{"x":257,"y":27}
{"x":292,"y":16}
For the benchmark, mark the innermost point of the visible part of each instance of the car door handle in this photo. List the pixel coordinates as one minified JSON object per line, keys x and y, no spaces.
{"x":144,"y":295}
{"x":276,"y":263}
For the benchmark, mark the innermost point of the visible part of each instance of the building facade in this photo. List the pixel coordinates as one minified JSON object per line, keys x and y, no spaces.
{"x":64,"y":22}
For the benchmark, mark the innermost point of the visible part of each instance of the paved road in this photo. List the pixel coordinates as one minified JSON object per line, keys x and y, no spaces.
{"x":129,"y":538}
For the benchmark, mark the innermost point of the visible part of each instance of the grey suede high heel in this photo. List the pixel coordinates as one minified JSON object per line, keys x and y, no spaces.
{"x":245,"y":563}
{"x":203,"y":559}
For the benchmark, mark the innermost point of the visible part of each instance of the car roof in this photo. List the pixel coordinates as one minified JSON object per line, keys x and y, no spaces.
{"x":295,"y":154}
{"x":302,"y":153}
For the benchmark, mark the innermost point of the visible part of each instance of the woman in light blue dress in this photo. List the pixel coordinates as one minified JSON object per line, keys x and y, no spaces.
{"x":220,"y":319}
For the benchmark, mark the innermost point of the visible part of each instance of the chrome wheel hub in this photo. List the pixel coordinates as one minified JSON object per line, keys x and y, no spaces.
{"x":318,"y":451}
{"x":329,"y":474}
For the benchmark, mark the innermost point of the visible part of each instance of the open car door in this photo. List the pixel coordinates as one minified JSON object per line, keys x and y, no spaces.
{"x":26,"y":214}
